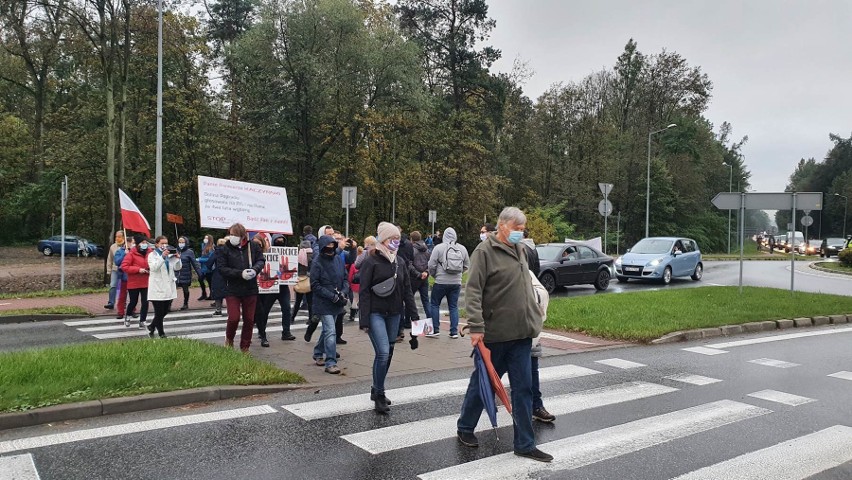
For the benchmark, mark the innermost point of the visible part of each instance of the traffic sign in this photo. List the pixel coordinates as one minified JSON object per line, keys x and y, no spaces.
{"x":349,"y":196}
{"x":605,"y":188}
{"x":807,"y":220}
{"x":768,"y":201}
{"x":605,"y":208}
{"x":433,"y":216}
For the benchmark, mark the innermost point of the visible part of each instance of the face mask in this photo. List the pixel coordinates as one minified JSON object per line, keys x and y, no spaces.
{"x":181,"y":245}
{"x":515,"y":236}
{"x":143,"y":246}
{"x":482,"y":237}
{"x":205,"y":241}
{"x":235,"y":240}
{"x":329,"y":251}
{"x":393,"y":245}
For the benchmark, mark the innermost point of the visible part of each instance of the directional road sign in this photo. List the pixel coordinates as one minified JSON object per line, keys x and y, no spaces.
{"x":605,"y":188}
{"x":349,"y":196}
{"x":768,"y":201}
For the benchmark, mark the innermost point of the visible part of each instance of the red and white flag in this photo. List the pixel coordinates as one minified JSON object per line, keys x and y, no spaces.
{"x":131,"y":216}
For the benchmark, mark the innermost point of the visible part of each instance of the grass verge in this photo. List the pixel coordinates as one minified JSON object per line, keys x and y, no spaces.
{"x":835,"y":267}
{"x":69,"y":292}
{"x":39,"y":378}
{"x":57,"y":310}
{"x":644,"y":316}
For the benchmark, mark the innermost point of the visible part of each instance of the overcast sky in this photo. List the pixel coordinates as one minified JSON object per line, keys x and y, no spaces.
{"x":781,"y":70}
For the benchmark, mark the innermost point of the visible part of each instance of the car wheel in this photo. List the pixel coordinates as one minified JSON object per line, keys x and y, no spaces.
{"x":622,"y":279}
{"x":603,"y":280}
{"x":548,"y":280}
{"x":47,"y":251}
{"x":667,"y":276}
{"x":698,"y":273}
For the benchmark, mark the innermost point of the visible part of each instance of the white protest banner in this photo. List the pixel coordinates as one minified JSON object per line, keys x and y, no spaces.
{"x":260,"y":208}
{"x":280,"y":269}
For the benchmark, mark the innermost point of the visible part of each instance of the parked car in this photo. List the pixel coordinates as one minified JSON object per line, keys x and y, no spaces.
{"x":661,"y":259}
{"x":831,"y":246}
{"x":573,"y":263}
{"x":54,"y":245}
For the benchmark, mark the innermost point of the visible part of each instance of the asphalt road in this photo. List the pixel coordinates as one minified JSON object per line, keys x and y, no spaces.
{"x":770,"y":410}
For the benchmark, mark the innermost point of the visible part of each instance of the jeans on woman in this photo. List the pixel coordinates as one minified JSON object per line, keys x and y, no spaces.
{"x":383,"y":330}
{"x":327,"y":342}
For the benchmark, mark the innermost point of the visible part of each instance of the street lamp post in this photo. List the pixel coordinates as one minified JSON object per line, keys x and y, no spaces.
{"x":158,"y":167}
{"x":648,"y":186}
{"x":730,"y":186}
{"x":846,"y":205}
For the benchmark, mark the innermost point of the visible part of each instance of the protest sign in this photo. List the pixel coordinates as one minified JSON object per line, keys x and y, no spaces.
{"x":280,"y":269}
{"x":260,"y":208}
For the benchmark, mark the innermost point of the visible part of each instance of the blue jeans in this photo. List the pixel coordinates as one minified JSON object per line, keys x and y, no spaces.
{"x":383,"y":330}
{"x":439,"y":291}
{"x":113,"y":283}
{"x":424,"y":298}
{"x":536,"y":385}
{"x":513,"y":357}
{"x":327,"y":342}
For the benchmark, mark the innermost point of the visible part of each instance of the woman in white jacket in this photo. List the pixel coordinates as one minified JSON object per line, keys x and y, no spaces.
{"x":163,"y":266}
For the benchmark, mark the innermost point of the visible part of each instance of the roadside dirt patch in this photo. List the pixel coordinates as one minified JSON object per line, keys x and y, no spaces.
{"x":24,"y":269}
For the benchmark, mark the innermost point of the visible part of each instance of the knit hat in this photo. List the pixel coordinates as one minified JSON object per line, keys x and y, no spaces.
{"x":138,"y":238}
{"x":385,"y":231}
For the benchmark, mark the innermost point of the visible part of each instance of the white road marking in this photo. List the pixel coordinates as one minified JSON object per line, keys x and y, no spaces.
{"x":781,"y":397}
{"x":19,"y":467}
{"x":842,"y":375}
{"x":705,"y":350}
{"x":4,"y":304}
{"x":135,"y":427}
{"x":795,"y":459}
{"x":581,"y":450}
{"x":778,"y":338}
{"x":333,"y":407}
{"x":135,"y":331}
{"x":619,"y":363}
{"x":693,"y":379}
{"x":773,"y":363}
{"x":562,"y":338}
{"x":424,"y":431}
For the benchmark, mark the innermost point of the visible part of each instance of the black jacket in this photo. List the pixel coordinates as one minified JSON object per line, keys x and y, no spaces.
{"x":328,"y":280}
{"x":532,"y":260}
{"x":231,"y":261}
{"x":376,"y":269}
{"x":217,"y":281}
{"x":406,"y":249}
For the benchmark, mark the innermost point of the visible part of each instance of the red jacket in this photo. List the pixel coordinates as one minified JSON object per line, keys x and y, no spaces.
{"x":354,"y":286}
{"x":133,"y":262}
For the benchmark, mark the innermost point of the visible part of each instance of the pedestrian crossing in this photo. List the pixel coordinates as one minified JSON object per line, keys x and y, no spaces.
{"x":671,"y":412}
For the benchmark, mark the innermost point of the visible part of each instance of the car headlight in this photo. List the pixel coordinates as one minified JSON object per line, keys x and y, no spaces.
{"x":654,"y":262}
{"x":618,"y":262}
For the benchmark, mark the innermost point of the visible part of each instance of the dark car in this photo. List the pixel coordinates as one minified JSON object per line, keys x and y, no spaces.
{"x":831,"y":246}
{"x":54,"y":245}
{"x":573,"y":263}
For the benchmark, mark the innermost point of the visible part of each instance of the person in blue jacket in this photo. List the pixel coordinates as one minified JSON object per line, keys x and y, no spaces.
{"x":329,"y":286}
{"x":184,"y":275}
{"x":207,"y":246}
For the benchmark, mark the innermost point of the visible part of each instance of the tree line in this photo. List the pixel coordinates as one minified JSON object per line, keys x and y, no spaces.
{"x":313,"y":95}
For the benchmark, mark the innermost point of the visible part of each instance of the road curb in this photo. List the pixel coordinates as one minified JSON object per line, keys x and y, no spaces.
{"x":138,"y":403}
{"x":750,"y":327}
{"x":815,"y":266}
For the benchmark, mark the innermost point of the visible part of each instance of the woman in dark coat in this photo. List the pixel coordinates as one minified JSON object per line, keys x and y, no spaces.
{"x":239,"y":262}
{"x":184,"y":276}
{"x":217,"y":281}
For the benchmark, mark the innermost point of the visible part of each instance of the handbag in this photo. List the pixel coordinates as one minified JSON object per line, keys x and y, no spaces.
{"x":385,"y":288}
{"x":303,"y":285}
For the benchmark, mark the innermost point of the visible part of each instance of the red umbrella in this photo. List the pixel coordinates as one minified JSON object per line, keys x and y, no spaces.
{"x":496,"y":383}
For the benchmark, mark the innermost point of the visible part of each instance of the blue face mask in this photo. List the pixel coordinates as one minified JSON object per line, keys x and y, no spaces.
{"x":516,"y":236}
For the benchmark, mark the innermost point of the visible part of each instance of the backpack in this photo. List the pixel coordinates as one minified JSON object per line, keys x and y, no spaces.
{"x":453,"y":259}
{"x":421,"y":260}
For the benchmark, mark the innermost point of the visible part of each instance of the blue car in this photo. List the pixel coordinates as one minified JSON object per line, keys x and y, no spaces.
{"x":54,"y":245}
{"x":660,"y":259}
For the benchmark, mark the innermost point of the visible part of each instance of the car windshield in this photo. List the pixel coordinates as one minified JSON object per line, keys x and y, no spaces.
{"x":835,"y":241}
{"x":652,"y":245}
{"x":549,"y":252}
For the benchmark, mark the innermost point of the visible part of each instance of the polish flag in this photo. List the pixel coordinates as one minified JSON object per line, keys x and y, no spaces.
{"x":131,"y":216}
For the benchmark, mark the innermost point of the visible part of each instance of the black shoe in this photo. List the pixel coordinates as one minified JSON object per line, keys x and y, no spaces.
{"x":203,"y":297}
{"x":337,"y":356}
{"x":381,"y":405}
{"x":184,"y":307}
{"x":134,"y":315}
{"x":287,"y":336}
{"x":543,"y":415}
{"x":536,"y":454}
{"x":109,"y":306}
{"x":218,"y":313}
{"x":468,"y":439}
{"x":264,"y":342}
{"x":150,"y":332}
{"x":374,"y":397}
{"x":341,"y":341}
{"x":162,"y":335}
{"x":119,"y":317}
{"x":213,"y":304}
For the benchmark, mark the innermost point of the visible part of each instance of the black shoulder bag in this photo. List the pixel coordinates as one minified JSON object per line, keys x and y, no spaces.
{"x":385,"y":288}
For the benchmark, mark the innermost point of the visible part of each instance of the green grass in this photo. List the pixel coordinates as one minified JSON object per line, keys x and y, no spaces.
{"x":835,"y":266}
{"x":68,"y":292}
{"x":57,"y":310}
{"x":51,"y":376}
{"x":644,"y":316}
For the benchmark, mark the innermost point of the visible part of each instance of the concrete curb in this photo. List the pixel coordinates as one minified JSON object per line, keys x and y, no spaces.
{"x":768,"y":325}
{"x":149,"y":401}
{"x":815,"y":266}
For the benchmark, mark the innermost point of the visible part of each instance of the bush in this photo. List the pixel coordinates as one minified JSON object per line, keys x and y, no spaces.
{"x":845,"y":257}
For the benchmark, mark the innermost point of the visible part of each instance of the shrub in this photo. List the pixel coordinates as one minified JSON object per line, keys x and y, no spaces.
{"x":845,"y":257}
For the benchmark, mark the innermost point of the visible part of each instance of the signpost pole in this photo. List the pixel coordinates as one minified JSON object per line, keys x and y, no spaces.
{"x":617,"y":232}
{"x":347,"y":213}
{"x":63,"y":201}
{"x":606,"y":218}
{"x":741,"y":233}
{"x":793,"y":250}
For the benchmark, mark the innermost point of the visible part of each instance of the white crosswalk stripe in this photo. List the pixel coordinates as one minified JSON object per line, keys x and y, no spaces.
{"x":796,"y":459}
{"x":581,"y":450}
{"x":705,"y":350}
{"x":774,"y":363}
{"x":424,"y":431}
{"x":781,"y":397}
{"x":619,"y":363}
{"x":842,"y":375}
{"x":693,"y":379}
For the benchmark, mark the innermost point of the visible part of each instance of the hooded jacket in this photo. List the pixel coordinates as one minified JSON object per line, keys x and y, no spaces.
{"x":499,"y":297}
{"x":231,"y":261}
{"x":189,"y":262}
{"x":436,"y":260}
{"x":421,"y":257}
{"x":328,"y":280}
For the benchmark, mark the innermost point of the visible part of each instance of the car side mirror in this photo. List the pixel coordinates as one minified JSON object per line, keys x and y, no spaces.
{"x":628,"y":250}
{"x":676,"y":253}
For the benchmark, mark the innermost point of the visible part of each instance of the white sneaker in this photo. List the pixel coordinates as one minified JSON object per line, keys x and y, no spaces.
{"x":454,"y":336}
{"x":433,"y":335}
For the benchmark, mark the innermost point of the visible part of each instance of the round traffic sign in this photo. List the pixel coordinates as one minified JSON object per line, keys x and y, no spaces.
{"x":773,"y":230}
{"x":605,"y":208}
{"x":807,"y":220}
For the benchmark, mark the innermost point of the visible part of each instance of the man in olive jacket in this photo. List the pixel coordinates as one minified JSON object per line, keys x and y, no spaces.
{"x":503,"y":313}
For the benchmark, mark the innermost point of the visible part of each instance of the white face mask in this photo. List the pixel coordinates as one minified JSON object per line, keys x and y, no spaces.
{"x":235,"y":240}
{"x":483,"y":236}
{"x":181,"y":245}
